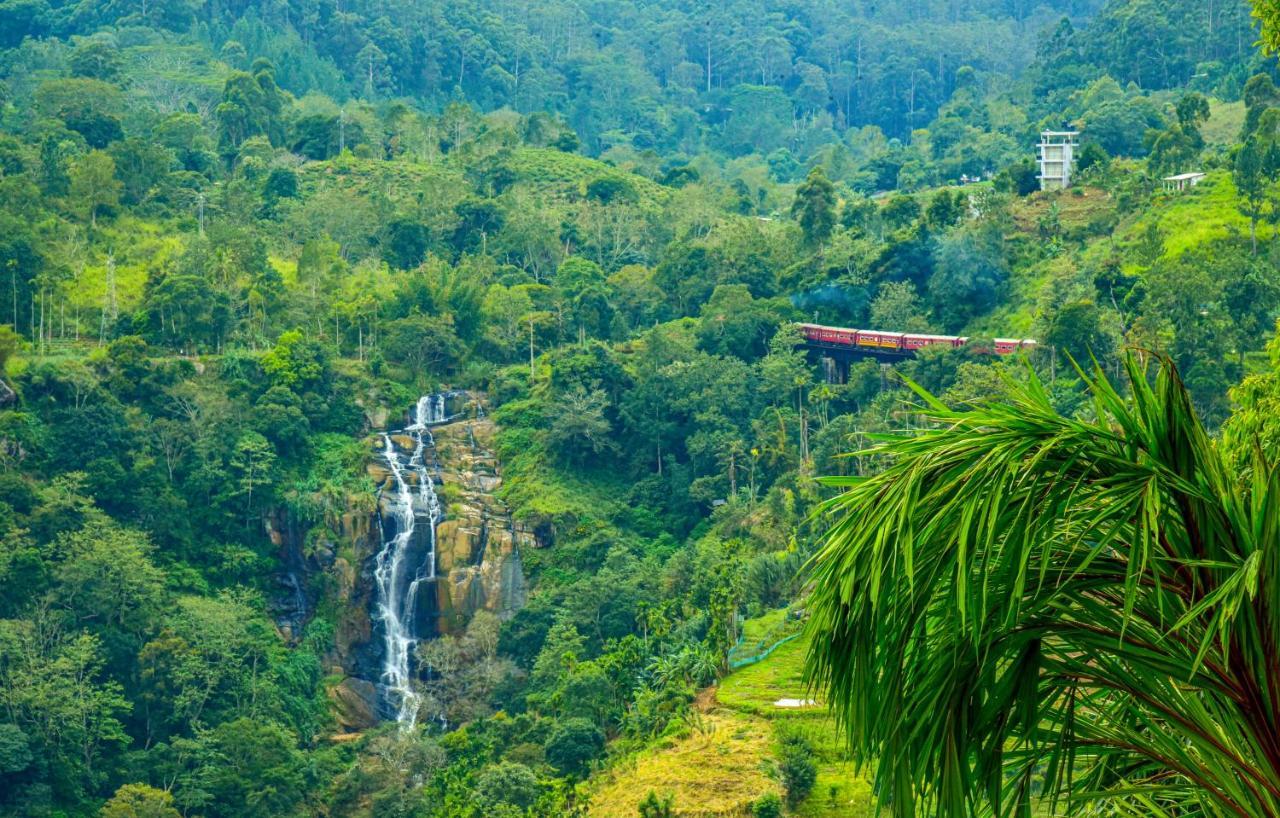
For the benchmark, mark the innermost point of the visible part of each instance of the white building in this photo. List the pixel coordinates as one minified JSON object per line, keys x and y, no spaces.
{"x":1057,"y":154}
{"x":1182,"y":181}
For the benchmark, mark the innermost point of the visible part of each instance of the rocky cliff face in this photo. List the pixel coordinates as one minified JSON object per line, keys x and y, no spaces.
{"x":477,"y":561}
{"x":479,"y":543}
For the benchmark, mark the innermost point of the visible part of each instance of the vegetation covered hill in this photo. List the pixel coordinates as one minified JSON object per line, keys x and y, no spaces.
{"x":237,"y":239}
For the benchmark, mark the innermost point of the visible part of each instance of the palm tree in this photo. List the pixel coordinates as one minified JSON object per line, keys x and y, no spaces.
{"x":1029,"y":611}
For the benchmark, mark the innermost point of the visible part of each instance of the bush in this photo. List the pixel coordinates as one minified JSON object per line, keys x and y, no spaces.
{"x":654,"y":807}
{"x":768,"y":805}
{"x":796,"y":766}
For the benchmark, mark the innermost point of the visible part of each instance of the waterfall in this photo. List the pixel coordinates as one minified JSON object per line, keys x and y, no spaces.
{"x":397,"y":581}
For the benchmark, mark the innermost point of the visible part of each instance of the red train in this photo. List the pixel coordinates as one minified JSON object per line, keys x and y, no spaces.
{"x":899,"y":341}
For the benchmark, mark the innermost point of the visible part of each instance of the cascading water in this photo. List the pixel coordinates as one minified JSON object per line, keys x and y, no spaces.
{"x":396,"y":597}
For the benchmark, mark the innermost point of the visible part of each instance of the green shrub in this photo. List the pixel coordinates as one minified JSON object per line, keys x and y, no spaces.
{"x":797,"y":768}
{"x":654,"y":807}
{"x":768,"y":805}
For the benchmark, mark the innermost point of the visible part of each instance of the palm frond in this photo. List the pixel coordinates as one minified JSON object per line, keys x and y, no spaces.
{"x":1029,"y":607}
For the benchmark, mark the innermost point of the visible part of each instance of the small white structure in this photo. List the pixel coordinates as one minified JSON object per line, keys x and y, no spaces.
{"x":1057,"y":155}
{"x":1182,"y":181}
{"x":795,"y":703}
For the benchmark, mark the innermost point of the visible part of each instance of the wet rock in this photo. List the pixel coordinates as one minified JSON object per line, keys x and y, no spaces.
{"x":477,"y":545}
{"x":377,"y":417}
{"x":325,"y":552}
{"x":355,"y":704}
{"x":290,"y":604}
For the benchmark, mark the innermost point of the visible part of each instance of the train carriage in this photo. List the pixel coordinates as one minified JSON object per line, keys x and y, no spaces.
{"x":914,"y":341}
{"x":1008,"y":346}
{"x":829,"y":335}
{"x":880,"y":340}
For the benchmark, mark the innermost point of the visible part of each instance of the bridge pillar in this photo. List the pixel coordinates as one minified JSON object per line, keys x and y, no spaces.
{"x":835,"y":369}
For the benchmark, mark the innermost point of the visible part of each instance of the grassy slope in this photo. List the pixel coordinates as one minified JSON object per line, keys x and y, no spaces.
{"x":1189,"y":219}
{"x":372,"y":177}
{"x":1185,"y":220}
{"x":1225,"y":121}
{"x":726,"y":760}
{"x":139,"y":246}
{"x":1076,"y":210}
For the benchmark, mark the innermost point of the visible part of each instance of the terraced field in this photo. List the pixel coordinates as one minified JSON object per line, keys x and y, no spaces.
{"x":726,"y":760}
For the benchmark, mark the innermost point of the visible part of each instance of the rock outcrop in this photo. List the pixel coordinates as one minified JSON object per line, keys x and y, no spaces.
{"x":477,"y":559}
{"x":331,"y":568}
{"x":478,"y":551}
{"x":477,"y":541}
{"x":355,"y":704}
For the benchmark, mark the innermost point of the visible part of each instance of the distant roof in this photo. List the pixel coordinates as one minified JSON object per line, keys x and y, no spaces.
{"x":1059,"y":133}
{"x":1195,"y":174}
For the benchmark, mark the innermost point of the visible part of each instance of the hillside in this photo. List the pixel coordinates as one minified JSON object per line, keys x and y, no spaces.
{"x":403,"y":412}
{"x":725,"y":757}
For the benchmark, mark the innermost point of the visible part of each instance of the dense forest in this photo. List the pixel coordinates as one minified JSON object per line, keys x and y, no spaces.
{"x":240,"y":241}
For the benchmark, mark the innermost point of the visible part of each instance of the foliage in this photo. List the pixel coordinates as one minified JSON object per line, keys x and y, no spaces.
{"x":139,"y":801}
{"x":235,"y":238}
{"x":1124,"y":539}
{"x":768,"y":805}
{"x":654,"y":806}
{"x":796,"y":767}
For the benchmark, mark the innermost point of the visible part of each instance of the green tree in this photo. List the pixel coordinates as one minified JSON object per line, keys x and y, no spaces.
{"x":734,"y":323}
{"x":897,"y":308}
{"x":427,"y":344}
{"x":1257,"y":162}
{"x":252,"y":105}
{"x":89,"y":107}
{"x":208,"y":664}
{"x":1076,"y":330}
{"x":506,"y":784}
{"x":245,"y":768}
{"x":1091,"y":155}
{"x":573,"y":745}
{"x":768,"y":805}
{"x":1192,"y":111}
{"x":1260,"y":95}
{"x":15,"y":749}
{"x":96,"y":59}
{"x":561,"y":649}
{"x":375,"y":74}
{"x":51,"y":689}
{"x":1099,"y":595}
{"x":106,"y":578}
{"x":970,"y":276}
{"x":252,"y":465}
{"x":139,"y":801}
{"x":1268,"y":13}
{"x":1256,"y":421}
{"x":297,"y":362}
{"x":900,"y":211}
{"x":140,"y":165}
{"x":94,"y":185}
{"x":815,"y":206}
{"x":579,"y":427}
{"x":796,"y":767}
